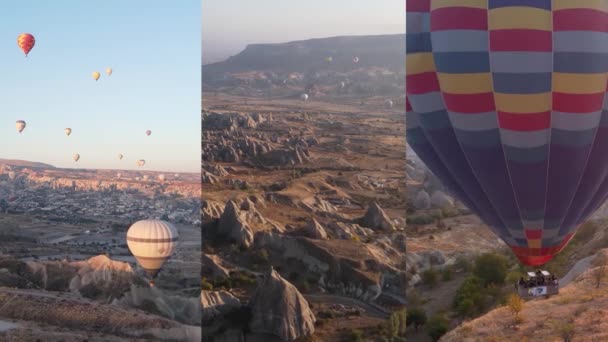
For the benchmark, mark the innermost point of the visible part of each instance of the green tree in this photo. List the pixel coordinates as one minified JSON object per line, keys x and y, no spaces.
{"x":437,"y":326}
{"x":469,"y":297}
{"x":491,"y":268}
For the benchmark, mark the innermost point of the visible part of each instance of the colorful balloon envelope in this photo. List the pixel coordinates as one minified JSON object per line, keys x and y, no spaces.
{"x":68,"y":131}
{"x":148,"y":132}
{"x":26,"y":42}
{"x":76,"y":157}
{"x":109,"y":71}
{"x":506,"y":105}
{"x":96,"y":75}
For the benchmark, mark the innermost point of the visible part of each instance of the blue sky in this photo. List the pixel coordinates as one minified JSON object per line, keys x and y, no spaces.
{"x":229,"y":25}
{"x":154,"y":49}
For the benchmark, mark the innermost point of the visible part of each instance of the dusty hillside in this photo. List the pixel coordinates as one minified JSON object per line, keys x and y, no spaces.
{"x":579,"y":310}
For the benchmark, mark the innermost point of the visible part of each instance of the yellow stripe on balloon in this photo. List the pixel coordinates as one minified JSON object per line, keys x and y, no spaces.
{"x":465,"y":83}
{"x":520,"y":18}
{"x":523,"y":103}
{"x":417,"y":63}
{"x":601,"y":5}
{"x":534,"y":243}
{"x":435,"y":4}
{"x":579,"y":83}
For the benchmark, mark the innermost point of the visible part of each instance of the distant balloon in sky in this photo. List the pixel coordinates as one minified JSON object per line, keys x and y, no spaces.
{"x":146,"y":177}
{"x":120,"y":156}
{"x":342,"y":84}
{"x":141,"y":162}
{"x":137,"y":178}
{"x":76,"y":157}
{"x":109,"y":71}
{"x":68,"y":131}
{"x":329,"y":59}
{"x":96,"y":75}
{"x":20,"y":125}
{"x":148,"y":132}
{"x":355,"y":59}
{"x":118,"y":175}
{"x":304,"y":97}
{"x":152,"y":242}
{"x":26,"y":42}
{"x":161,"y":177}
{"x":176,"y":175}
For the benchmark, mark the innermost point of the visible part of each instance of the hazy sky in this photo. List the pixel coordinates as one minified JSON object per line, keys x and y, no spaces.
{"x":229,"y":25}
{"x":153,"y":47}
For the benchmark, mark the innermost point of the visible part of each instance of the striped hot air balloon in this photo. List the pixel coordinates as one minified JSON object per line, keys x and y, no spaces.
{"x":152,"y":242}
{"x":507,"y":106}
{"x":26,"y":42}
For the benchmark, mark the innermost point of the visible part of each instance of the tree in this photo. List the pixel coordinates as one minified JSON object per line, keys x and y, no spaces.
{"x":491,"y":268}
{"x":429,"y":277}
{"x":468,"y":299}
{"x":564,"y":329}
{"x":437,"y":326}
{"x":599,"y":272}
{"x":417,"y":317}
{"x":515,"y":304}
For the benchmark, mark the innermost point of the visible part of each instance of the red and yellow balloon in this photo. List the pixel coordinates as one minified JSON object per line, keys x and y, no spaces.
{"x":26,"y":42}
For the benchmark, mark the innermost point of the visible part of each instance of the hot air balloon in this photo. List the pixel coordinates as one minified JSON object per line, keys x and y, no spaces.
{"x":161,"y":177}
{"x":120,"y":156}
{"x":176,"y":175}
{"x":389,"y":103}
{"x":141,"y":162}
{"x":96,"y":75}
{"x":20,"y":124}
{"x":109,"y":71}
{"x":355,"y":59}
{"x":68,"y":131}
{"x":137,"y":178}
{"x":148,"y":132}
{"x":304,"y":97}
{"x":152,"y":242}
{"x":329,"y":59}
{"x":510,"y":114}
{"x":26,"y":42}
{"x":146,"y":177}
{"x":12,"y":175}
{"x":118,"y":175}
{"x":342,"y":84}
{"x":76,"y":157}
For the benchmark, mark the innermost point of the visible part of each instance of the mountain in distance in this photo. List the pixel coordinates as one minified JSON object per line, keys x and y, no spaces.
{"x":309,"y":55}
{"x":25,"y":163}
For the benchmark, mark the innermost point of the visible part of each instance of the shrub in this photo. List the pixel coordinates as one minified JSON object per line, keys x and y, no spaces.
{"x":437,"y":326}
{"x":417,"y":317}
{"x":446,"y":274}
{"x":430,"y":277}
{"x":469,"y":297}
{"x":515,"y":304}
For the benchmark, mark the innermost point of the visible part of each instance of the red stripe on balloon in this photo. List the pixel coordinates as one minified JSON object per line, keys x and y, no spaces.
{"x":524,"y":122}
{"x":521,"y":40}
{"x":469,"y":103}
{"x":578,"y":103}
{"x":459,"y":18}
{"x":423,"y":83}
{"x":580,"y":19}
{"x":418,"y":5}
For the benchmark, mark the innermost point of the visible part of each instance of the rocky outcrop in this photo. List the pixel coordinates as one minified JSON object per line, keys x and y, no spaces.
{"x":440,"y":200}
{"x":216,"y":303}
{"x":422,"y":200}
{"x":212,"y":267}
{"x":375,"y":218}
{"x":315,"y":230}
{"x":278,"y":308}
{"x":234,"y":226}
